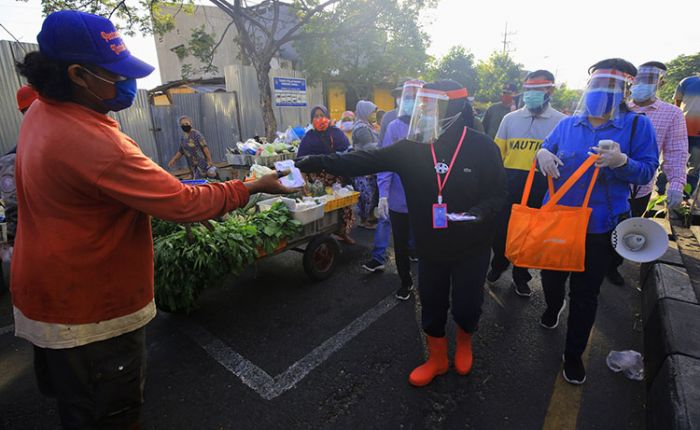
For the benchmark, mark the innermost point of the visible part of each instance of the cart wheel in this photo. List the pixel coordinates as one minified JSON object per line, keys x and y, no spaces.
{"x":320,"y":257}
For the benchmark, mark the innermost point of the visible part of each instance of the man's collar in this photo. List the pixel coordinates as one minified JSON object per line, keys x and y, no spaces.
{"x":546,"y":113}
{"x":654,"y":105}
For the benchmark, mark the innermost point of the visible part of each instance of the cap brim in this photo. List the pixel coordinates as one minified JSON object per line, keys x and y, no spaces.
{"x":129,"y":67}
{"x":396,"y":92}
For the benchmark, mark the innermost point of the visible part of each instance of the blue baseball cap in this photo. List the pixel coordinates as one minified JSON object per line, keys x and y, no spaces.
{"x":78,"y":37}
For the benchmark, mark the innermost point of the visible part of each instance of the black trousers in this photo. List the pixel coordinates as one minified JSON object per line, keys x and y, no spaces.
{"x":461,"y":281}
{"x":500,"y":263}
{"x":98,"y":385}
{"x":584,"y":288}
{"x":639,"y":206}
{"x":401,"y":231}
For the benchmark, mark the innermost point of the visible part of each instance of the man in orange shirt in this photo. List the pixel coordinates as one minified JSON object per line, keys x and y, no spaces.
{"x":82,"y":285}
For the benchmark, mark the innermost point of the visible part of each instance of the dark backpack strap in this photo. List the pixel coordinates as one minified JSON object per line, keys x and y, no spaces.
{"x":635,"y":188}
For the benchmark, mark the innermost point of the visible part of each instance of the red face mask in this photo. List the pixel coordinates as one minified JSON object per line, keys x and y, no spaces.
{"x":507,"y":99}
{"x":321,"y":123}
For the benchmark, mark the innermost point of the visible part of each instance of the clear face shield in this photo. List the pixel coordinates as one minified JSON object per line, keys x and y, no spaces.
{"x":429,"y":119}
{"x":605,"y":91}
{"x":646,"y":83}
{"x":408,"y":97}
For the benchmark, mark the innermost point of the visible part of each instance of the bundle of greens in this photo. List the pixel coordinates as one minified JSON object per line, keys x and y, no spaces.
{"x":187,"y":264}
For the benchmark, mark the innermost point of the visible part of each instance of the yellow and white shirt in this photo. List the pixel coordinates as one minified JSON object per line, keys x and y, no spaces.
{"x":521,"y":134}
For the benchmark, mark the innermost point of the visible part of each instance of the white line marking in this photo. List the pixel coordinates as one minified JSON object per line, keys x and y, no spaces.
{"x":259,"y":380}
{"x":494,"y":296}
{"x":8,"y":329}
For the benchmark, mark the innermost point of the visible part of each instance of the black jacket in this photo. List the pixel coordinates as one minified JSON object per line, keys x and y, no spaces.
{"x":477,"y":184}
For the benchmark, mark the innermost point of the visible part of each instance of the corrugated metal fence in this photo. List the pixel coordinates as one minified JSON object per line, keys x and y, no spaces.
{"x":213,"y":114}
{"x":223,"y":118}
{"x":243,"y":80}
{"x":10,"y":81}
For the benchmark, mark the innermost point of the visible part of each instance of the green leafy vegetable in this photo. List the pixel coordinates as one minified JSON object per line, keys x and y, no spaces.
{"x":186,"y":266}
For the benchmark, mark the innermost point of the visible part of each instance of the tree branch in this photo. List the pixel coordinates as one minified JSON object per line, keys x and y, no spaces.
{"x":310,"y":14}
{"x":213,"y":49}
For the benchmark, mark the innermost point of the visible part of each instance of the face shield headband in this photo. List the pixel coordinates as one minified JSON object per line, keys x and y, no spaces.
{"x":429,"y":120}
{"x":604,"y":93}
{"x":646,"y":83}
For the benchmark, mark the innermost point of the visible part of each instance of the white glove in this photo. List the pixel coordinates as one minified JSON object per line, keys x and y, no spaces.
{"x":549,"y":163}
{"x":383,"y":208}
{"x":610,"y":156}
{"x":674,"y":198}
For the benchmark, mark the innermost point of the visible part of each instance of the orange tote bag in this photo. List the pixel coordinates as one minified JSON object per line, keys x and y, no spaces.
{"x":554,"y":236}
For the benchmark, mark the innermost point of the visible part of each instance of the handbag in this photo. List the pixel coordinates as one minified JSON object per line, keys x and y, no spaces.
{"x":552,"y":237}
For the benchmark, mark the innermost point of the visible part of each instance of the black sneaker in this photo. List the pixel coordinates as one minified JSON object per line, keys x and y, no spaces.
{"x":522,"y":289}
{"x":494,"y":275}
{"x":404,"y":293}
{"x":550,"y":317}
{"x":373,"y":266}
{"x":574,"y":372}
{"x":412,"y":256}
{"x":615,"y":278}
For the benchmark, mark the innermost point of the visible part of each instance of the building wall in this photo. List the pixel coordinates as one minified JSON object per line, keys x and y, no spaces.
{"x":336,"y":100}
{"x":383,"y":99}
{"x":214,"y":21}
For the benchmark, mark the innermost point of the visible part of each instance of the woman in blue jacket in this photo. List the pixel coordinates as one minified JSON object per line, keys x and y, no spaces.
{"x":628,"y":156}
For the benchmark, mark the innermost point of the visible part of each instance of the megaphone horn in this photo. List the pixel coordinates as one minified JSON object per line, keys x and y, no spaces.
{"x":640,"y":240}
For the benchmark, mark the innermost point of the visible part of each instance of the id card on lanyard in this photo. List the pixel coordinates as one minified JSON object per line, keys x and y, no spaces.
{"x":440,"y":208}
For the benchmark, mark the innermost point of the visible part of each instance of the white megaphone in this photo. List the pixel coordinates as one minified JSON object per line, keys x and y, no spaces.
{"x":640,"y":240}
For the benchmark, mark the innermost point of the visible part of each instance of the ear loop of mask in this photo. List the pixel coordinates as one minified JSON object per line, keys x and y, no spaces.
{"x":100,"y":78}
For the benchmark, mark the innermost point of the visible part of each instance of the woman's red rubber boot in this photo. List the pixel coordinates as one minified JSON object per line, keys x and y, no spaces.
{"x":463,"y":353}
{"x":437,"y":363}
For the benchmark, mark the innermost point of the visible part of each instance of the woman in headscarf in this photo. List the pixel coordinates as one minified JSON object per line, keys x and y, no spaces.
{"x":324,"y":139}
{"x":347,"y":121}
{"x":365,"y":137}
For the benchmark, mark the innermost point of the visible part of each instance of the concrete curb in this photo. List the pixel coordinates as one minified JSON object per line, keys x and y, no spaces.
{"x":671,"y":316}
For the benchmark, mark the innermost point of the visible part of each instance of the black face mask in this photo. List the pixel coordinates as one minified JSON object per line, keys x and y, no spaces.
{"x":186,"y":128}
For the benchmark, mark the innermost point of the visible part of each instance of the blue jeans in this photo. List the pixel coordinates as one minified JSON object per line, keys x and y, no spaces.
{"x":381,"y":240}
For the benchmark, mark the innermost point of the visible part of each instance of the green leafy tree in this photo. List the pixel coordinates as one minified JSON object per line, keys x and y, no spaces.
{"x":564,"y":99}
{"x":494,"y":72}
{"x":679,"y":68}
{"x":380,"y":29}
{"x":458,"y":65}
{"x":391,"y":48}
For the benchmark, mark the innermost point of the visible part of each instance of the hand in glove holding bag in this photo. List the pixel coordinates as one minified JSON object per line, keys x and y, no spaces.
{"x":674,"y":198}
{"x":548,"y":163}
{"x":610,"y":154}
{"x":383,"y":208}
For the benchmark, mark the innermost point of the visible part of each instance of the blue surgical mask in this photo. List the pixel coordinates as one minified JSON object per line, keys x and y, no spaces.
{"x":407,"y":107}
{"x":600,"y":102}
{"x":534,"y":100}
{"x":643,"y":92}
{"x":125,"y":96}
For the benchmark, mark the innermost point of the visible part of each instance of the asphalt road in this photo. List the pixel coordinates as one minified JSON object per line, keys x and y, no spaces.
{"x":272,"y":350}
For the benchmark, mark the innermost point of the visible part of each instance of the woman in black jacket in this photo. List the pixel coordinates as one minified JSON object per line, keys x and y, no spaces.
{"x":453,"y":223}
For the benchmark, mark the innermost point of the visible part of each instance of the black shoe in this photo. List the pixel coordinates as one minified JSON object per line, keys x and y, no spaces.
{"x":574,"y":372}
{"x":404,"y":293}
{"x":494,"y":275}
{"x":373,"y":266}
{"x":615,"y":278}
{"x":522,"y":289}
{"x":550,"y":317}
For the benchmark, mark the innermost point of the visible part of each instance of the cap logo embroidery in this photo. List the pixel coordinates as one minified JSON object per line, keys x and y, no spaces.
{"x":118,"y":49}
{"x":110,"y":36}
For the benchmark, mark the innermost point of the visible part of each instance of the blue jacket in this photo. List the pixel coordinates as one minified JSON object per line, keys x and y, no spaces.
{"x":571,"y":141}
{"x":319,"y":143}
{"x":389,"y":183}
